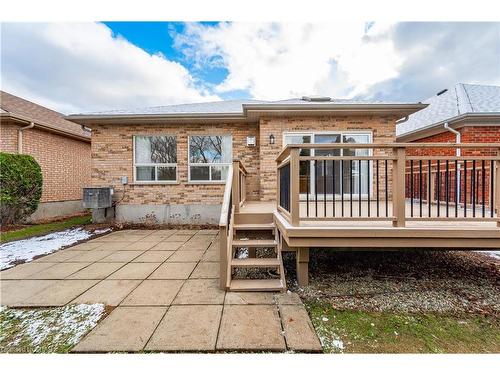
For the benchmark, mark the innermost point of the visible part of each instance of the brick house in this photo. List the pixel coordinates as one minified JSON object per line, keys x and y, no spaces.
{"x":61,"y":147}
{"x":310,"y":172}
{"x":463,"y":113}
{"x":175,"y":157}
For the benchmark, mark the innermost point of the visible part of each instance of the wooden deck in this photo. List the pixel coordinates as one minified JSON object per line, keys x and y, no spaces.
{"x":366,"y":233}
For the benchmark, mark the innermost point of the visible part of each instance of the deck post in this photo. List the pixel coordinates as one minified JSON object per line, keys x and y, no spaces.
{"x":236,"y":186}
{"x":294,"y":187}
{"x":302,"y":258}
{"x":398,"y":187}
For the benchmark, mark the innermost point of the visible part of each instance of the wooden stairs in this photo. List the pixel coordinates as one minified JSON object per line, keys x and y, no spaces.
{"x":254,"y":235}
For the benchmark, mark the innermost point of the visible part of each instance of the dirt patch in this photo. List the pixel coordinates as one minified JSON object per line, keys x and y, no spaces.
{"x":407,"y":281}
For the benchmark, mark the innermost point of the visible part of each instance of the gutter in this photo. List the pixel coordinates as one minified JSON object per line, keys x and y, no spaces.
{"x":20,"y":136}
{"x":458,"y":140}
{"x":480,"y":116}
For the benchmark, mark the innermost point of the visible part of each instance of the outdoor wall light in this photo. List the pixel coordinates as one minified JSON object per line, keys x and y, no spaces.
{"x":272,"y":140}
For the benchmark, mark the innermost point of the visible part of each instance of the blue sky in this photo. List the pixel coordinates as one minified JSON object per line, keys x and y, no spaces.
{"x":78,"y":67}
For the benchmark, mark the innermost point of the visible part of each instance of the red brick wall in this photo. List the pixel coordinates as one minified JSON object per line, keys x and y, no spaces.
{"x":65,"y":162}
{"x":8,"y":137}
{"x":469,"y":134}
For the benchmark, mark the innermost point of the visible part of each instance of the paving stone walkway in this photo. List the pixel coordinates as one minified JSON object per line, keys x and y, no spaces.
{"x":163,"y":288}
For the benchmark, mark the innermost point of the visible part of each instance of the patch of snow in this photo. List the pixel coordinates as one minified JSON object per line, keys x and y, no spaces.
{"x":51,"y":327}
{"x":325,"y":319}
{"x":242,"y":253}
{"x":492,"y":253}
{"x":25,"y":250}
{"x":338,"y":344}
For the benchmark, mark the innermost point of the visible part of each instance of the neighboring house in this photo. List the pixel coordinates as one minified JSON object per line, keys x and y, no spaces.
{"x":463,"y":113}
{"x":472,"y":110}
{"x":61,"y":147}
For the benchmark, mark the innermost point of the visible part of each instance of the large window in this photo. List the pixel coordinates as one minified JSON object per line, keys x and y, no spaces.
{"x":209,"y":157}
{"x":155,"y":158}
{"x":313,"y":178}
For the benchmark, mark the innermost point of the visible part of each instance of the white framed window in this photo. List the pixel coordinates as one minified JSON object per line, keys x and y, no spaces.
{"x":209,"y":158}
{"x":311,"y":179}
{"x":155,"y":158}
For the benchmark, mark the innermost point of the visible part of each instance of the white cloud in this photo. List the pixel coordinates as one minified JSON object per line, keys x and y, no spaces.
{"x":82,"y":66}
{"x":399,"y":61}
{"x":292,"y":59}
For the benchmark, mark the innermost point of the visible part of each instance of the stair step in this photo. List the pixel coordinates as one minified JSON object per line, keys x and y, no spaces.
{"x":255,"y":262}
{"x":261,"y":226}
{"x":256,"y":285}
{"x":254,"y":243}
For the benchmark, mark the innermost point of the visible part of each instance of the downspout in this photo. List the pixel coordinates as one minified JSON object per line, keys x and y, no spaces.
{"x":20,"y":137}
{"x":458,"y":139}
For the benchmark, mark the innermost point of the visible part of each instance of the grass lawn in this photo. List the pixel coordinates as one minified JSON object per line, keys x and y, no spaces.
{"x":373,"y":332}
{"x":47,"y":330}
{"x":40,"y":229}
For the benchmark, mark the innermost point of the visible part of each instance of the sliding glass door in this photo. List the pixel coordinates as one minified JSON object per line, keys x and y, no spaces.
{"x":324,"y":179}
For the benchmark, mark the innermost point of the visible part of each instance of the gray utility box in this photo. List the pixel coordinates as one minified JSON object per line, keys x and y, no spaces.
{"x":97,"y":197}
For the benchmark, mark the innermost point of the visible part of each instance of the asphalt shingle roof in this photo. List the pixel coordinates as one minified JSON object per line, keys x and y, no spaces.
{"x":224,"y":107}
{"x":18,"y":106}
{"x":458,"y":100}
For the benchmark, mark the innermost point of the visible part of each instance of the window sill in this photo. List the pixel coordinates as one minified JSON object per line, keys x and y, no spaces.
{"x":206,"y":182}
{"x":140,"y":183}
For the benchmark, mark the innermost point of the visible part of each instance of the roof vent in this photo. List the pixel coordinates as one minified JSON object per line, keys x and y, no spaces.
{"x":441,"y":92}
{"x":317,"y":98}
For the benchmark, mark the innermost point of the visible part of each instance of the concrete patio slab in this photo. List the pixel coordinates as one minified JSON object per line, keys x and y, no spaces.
{"x":187,"y":328}
{"x":60,"y":256}
{"x":59,"y":293}
{"x":168,"y":246}
{"x":206,"y":270}
{"x":108,"y":292}
{"x":208,"y":231}
{"x":92,"y":256}
{"x":173,"y":271}
{"x":186,"y":256}
{"x":121,"y":245}
{"x":194,"y":246}
{"x":23,"y":271}
{"x":134,"y":271}
{"x":250,"y":328}
{"x":13,"y":292}
{"x":126,"y":329}
{"x":121,"y":256}
{"x":58,"y":272}
{"x":249,"y":298}
{"x":142,"y":245}
{"x":178,"y":237}
{"x":152,"y":256}
{"x":153,"y":293}
{"x":299,"y":331}
{"x":86,"y":246}
{"x":200,"y":292}
{"x":288,"y":298}
{"x":96,"y":271}
{"x":211,"y":256}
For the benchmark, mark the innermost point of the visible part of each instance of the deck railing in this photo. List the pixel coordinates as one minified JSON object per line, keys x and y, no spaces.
{"x":396,"y":182}
{"x":234,"y":197}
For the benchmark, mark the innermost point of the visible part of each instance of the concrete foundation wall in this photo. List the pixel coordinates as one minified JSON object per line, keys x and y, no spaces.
{"x":48,"y":210}
{"x":196,"y":214}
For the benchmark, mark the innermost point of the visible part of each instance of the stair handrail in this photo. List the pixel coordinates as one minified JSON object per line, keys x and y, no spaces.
{"x":225,"y":231}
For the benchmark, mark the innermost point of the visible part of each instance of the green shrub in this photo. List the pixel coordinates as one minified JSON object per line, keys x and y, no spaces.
{"x":20,"y":187}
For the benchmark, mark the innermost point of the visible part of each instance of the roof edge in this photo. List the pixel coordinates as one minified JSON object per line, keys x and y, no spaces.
{"x":417,"y":134}
{"x":27,"y":120}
